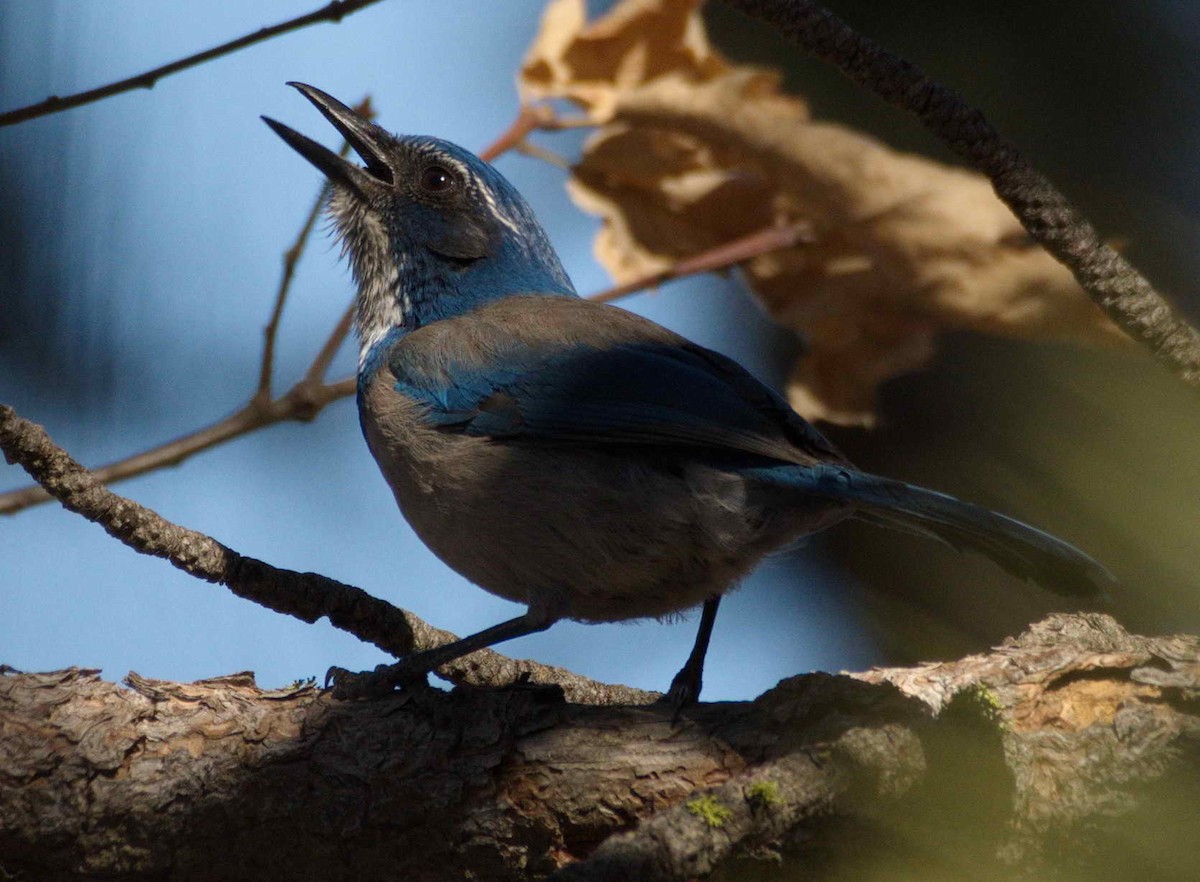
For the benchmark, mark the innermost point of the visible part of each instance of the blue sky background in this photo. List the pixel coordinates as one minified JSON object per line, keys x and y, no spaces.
{"x":160,"y":218}
{"x":141,"y":248}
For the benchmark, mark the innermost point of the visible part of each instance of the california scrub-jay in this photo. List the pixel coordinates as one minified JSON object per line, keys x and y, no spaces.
{"x":572,"y":456}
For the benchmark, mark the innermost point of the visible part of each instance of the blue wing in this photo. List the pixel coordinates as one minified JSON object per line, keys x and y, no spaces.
{"x":664,"y":392}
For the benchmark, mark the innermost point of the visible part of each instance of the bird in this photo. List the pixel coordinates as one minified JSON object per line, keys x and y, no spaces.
{"x":572,"y":456}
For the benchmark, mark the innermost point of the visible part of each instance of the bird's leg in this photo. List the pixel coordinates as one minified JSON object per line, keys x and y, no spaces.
{"x":685,"y":688}
{"x":412,"y":669}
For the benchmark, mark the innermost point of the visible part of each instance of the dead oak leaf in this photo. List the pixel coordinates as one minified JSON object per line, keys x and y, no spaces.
{"x":594,"y":63}
{"x":696,"y":151}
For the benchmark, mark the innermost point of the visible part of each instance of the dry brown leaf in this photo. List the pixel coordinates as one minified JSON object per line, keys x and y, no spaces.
{"x":593,"y":64}
{"x":695,"y":151}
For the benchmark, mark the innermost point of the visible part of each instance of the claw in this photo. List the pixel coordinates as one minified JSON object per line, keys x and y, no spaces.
{"x":684,"y":691}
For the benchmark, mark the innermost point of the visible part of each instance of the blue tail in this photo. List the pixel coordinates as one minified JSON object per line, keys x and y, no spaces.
{"x":1021,"y":549}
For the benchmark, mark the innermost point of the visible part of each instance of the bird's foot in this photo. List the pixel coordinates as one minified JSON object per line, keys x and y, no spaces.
{"x":684,"y":691}
{"x":348,"y":685}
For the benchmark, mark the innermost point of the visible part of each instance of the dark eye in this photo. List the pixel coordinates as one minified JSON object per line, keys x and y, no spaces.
{"x":438,"y":179}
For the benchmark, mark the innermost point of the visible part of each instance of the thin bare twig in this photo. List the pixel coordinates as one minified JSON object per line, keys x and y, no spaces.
{"x":717,"y":258}
{"x":1111,"y":281}
{"x":530,"y":118}
{"x":306,"y":596}
{"x":333,"y":11}
{"x":302,"y":402}
{"x":291,"y":258}
{"x":316,"y":371}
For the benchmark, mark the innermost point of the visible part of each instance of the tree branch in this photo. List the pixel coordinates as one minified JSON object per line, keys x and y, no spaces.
{"x":1045,"y":758}
{"x":334,"y":11}
{"x":306,"y":596}
{"x":302,"y":402}
{"x":692,"y":838}
{"x":1111,"y":281}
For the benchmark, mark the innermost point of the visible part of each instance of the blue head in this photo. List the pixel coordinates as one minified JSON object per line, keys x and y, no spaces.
{"x":432,"y":231}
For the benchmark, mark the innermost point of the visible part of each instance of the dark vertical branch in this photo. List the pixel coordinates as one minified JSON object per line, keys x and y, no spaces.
{"x":1111,"y":281}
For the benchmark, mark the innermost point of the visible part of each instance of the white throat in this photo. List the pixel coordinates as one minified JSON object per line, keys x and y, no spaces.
{"x":378,"y":308}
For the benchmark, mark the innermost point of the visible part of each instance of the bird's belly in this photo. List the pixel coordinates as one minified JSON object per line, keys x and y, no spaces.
{"x":593,"y":535}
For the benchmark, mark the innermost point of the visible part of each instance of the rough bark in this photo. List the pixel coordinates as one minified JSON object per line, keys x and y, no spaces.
{"x":1028,"y":758}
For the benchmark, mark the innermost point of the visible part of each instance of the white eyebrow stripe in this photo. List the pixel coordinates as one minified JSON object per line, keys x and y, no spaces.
{"x":497,"y":213}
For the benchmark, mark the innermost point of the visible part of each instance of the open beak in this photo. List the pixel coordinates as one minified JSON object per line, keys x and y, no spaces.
{"x":368,"y":140}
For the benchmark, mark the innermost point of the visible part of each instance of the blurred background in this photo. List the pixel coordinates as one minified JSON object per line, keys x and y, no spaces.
{"x":140,"y":247}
